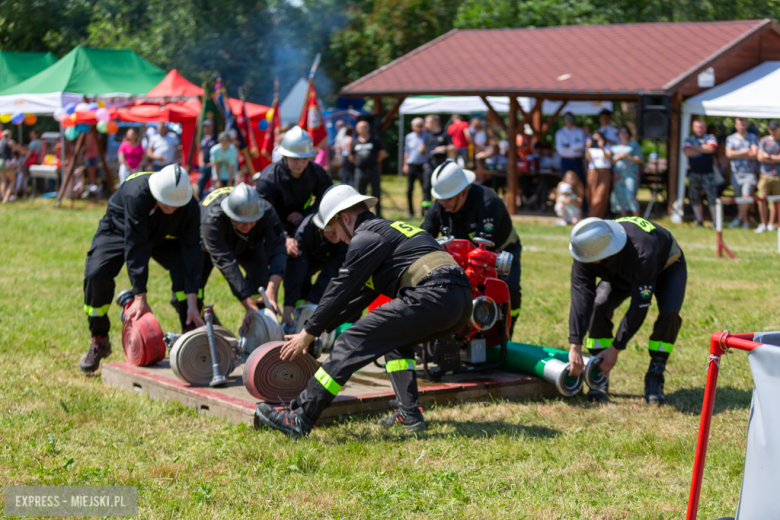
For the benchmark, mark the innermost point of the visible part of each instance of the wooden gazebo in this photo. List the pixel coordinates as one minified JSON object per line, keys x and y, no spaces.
{"x":618,"y":62}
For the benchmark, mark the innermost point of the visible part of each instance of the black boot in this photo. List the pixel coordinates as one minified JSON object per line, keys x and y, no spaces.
{"x":294,"y":424}
{"x":99,"y":348}
{"x":412,"y":420}
{"x":654,"y":382}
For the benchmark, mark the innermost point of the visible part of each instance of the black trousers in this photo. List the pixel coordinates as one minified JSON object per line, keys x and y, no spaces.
{"x":420,"y":314}
{"x":105,"y":259}
{"x":253,"y":261}
{"x":513,"y":283}
{"x":669,"y":294}
{"x":347,"y":172}
{"x":422,"y":173}
{"x":362,"y":180}
{"x":312,"y":292}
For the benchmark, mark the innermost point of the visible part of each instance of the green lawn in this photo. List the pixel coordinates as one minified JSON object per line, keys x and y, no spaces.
{"x":553,"y":458}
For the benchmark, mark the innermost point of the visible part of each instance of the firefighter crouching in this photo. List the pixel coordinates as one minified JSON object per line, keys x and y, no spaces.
{"x":634,"y":258}
{"x":432,"y":299}
{"x":151,"y":215}
{"x":239,"y":229}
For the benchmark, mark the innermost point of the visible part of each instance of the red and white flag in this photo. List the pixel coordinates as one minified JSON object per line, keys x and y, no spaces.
{"x":311,"y":117}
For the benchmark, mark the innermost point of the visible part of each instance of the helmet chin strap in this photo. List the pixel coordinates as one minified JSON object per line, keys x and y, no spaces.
{"x":344,"y":227}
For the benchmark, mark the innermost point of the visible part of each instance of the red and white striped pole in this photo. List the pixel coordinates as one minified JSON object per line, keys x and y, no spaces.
{"x":719,"y":230}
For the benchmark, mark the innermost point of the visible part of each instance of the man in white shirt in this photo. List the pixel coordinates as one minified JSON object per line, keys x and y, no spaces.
{"x":163,"y":148}
{"x":415,"y":165}
{"x":607,"y":129}
{"x":570,"y":145}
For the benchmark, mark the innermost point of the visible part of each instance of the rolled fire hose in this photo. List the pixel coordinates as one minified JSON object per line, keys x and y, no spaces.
{"x":268,"y":377}
{"x":142,"y":338}
{"x":191,"y":356}
{"x":262,"y":328}
{"x":550,"y":364}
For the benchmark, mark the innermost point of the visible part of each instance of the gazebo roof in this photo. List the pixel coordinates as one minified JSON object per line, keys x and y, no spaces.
{"x":579,"y":61}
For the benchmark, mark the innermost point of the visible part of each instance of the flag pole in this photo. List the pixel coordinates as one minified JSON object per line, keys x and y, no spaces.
{"x":246,"y":152}
{"x":311,"y":80}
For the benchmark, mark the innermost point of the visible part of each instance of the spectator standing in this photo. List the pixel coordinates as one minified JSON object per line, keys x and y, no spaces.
{"x":742,"y":149}
{"x":769,"y":182}
{"x":570,"y":145}
{"x":224,"y":161}
{"x":437,"y":143}
{"x":91,"y":161}
{"x":130,"y":155}
{"x":366,"y":154}
{"x":480,"y":139}
{"x":607,"y":129}
{"x":568,"y":200}
{"x":460,"y":135}
{"x":626,"y":158}
{"x":414,"y":165}
{"x":599,"y":181}
{"x":163,"y":148}
{"x":347,"y":173}
{"x":207,"y":141}
{"x":700,"y":149}
{"x":32,"y":156}
{"x":8,"y":165}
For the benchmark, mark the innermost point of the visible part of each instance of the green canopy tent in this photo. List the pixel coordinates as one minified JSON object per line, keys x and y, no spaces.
{"x":16,"y":67}
{"x":114,"y":76}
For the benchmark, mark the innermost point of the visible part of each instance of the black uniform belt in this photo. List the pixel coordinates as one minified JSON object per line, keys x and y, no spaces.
{"x":674,"y":254}
{"x":424,"y":266}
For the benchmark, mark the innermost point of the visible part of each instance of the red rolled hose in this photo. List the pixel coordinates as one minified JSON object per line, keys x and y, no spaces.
{"x":142,"y":340}
{"x":266,"y":376}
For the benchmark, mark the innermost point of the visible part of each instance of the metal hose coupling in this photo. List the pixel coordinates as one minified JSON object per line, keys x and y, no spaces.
{"x":217,"y":378}
{"x":593,"y":377}
{"x":503,"y":264}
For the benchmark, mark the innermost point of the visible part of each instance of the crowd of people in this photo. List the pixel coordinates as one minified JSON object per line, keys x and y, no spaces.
{"x":15,"y":160}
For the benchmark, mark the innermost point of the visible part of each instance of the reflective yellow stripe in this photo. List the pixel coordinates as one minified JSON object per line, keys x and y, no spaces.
{"x":639,"y":221}
{"x":599,"y":342}
{"x":200,"y":293}
{"x":325,"y":380}
{"x":396,"y":365}
{"x":96,"y":312}
{"x":661,"y":346}
{"x":310,"y":202}
{"x":426,"y":203}
{"x":515,"y":313}
{"x":181,"y":296}
{"x":214,"y":194}
{"x":407,"y":230}
{"x":135,"y":175}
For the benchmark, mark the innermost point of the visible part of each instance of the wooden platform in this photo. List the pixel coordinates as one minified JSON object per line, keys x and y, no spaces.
{"x":368,"y":391}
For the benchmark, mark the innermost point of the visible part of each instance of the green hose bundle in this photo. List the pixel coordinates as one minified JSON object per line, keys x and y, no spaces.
{"x":548,"y":363}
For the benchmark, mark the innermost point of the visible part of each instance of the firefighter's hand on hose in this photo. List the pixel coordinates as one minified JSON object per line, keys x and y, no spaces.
{"x":576,"y":364}
{"x":292,"y":247}
{"x":193,"y":315}
{"x":609,"y":357}
{"x":296,"y":344}
{"x":251,"y":307}
{"x":271,"y":291}
{"x":287,"y":315}
{"x":138,"y":308}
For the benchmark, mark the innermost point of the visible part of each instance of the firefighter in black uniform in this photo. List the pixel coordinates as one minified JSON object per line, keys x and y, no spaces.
{"x":239,"y":229}
{"x":633,"y":258}
{"x":469,"y":210}
{"x":294,"y":186}
{"x":432,"y":299}
{"x":151,"y":215}
{"x":320,"y":252}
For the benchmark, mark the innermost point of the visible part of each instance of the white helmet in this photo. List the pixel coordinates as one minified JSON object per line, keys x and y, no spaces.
{"x":171,"y":186}
{"x":243,"y":204}
{"x":297,"y":144}
{"x":336,"y":199}
{"x":594,"y":239}
{"x":449,"y":179}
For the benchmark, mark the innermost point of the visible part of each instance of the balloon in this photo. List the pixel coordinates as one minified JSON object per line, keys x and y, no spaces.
{"x":71,"y":133}
{"x":83,"y":128}
{"x":70,"y":108}
{"x":102,"y":114}
{"x":102,"y":126}
{"x":93,"y":106}
{"x":5,"y":118}
{"x":30,"y":119}
{"x":101,"y":104}
{"x":263,"y":124}
{"x":112,"y":127}
{"x":270,"y":114}
{"x":82,"y":107}
{"x":17,"y":119}
{"x":67,"y":122}
{"x":59,"y":114}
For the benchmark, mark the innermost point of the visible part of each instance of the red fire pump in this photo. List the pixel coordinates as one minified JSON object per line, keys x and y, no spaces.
{"x":466,"y":351}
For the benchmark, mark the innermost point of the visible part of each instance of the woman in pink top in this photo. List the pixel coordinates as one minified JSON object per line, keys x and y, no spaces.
{"x":131,"y":153}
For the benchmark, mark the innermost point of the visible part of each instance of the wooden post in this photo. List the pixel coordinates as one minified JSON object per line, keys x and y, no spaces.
{"x":511,"y":167}
{"x":101,"y":153}
{"x":72,"y":166}
{"x":546,"y":126}
{"x":377,"y":111}
{"x":673,"y":150}
{"x":388,"y":118}
{"x":536,"y":118}
{"x":495,"y":114}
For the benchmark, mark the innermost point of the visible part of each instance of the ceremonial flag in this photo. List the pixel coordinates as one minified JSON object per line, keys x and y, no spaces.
{"x":311,"y":115}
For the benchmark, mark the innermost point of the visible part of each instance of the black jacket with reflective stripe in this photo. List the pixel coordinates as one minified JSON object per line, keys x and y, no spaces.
{"x":379,"y":253}
{"x":288,"y":194}
{"x":132,"y":213}
{"x":483,"y":213}
{"x":636,"y":268}
{"x":224,"y":243}
{"x":314,"y":251}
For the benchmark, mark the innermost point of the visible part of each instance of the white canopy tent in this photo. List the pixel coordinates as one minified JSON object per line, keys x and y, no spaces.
{"x":751,"y":94}
{"x":473,"y":104}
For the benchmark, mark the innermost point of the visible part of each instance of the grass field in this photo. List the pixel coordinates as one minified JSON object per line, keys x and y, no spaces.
{"x":552,"y":458}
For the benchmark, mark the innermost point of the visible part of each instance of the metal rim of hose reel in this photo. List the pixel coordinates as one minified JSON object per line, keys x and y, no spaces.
{"x":190,"y":356}
{"x":593,"y":379}
{"x":266,"y":376}
{"x":262,"y":328}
